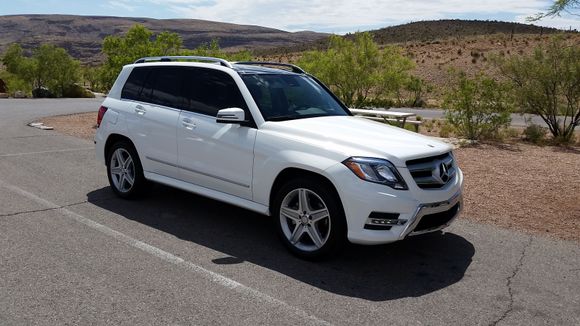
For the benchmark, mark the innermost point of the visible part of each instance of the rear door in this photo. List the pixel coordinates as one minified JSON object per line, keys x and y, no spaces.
{"x":214,"y":155}
{"x":153,"y":112}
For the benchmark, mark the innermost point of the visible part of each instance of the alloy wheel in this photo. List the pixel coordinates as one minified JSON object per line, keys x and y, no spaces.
{"x":305,"y":219}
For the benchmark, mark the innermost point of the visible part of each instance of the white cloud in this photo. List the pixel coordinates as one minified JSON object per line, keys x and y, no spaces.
{"x":347,"y":15}
{"x":120,"y":4}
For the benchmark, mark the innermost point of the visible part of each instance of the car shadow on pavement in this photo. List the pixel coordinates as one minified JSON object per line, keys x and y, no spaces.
{"x":414,"y":267}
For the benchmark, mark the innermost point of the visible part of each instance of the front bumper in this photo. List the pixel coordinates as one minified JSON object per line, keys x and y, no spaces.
{"x":417,"y":211}
{"x":445,"y":211}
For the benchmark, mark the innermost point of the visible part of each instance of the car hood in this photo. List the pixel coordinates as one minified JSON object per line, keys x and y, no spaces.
{"x":347,"y":136}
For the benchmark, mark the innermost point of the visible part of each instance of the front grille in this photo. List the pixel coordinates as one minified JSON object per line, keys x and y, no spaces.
{"x":436,"y":220}
{"x":433,"y":172}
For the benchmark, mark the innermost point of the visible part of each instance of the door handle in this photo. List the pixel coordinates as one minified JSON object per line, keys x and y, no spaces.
{"x":188,"y":124}
{"x":139,"y":109}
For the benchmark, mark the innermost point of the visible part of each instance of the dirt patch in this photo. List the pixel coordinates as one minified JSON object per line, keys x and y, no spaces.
{"x":518,"y":186}
{"x":79,"y":125}
{"x":524,"y":187}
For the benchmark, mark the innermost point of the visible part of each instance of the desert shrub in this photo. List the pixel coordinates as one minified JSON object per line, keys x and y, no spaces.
{"x":477,"y":108}
{"x":428,"y":125}
{"x":14,"y":83}
{"x":511,"y":133}
{"x":77,"y":91}
{"x":547,"y":83}
{"x":535,"y":134}
{"x":42,"y":92}
{"x":411,"y":127}
{"x":446,"y":130}
{"x":416,"y":88}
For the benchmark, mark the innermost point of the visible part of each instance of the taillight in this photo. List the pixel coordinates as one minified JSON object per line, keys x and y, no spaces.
{"x":101,"y":114}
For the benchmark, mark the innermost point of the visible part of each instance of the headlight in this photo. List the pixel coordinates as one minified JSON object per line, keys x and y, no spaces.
{"x":376,"y":170}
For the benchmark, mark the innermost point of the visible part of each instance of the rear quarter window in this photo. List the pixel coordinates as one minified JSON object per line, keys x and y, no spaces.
{"x":134,"y":85}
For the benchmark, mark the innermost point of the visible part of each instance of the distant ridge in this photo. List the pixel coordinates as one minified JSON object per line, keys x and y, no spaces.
{"x":424,"y":31}
{"x":82,"y":36}
{"x":428,"y":31}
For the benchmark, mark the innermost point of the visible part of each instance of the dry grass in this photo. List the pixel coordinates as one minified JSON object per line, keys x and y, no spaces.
{"x":520,"y":186}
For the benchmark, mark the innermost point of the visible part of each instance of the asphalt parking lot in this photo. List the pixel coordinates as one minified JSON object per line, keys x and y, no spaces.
{"x":72,"y":253}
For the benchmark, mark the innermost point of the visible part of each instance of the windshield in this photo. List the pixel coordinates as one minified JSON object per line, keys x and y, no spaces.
{"x":286,"y":97}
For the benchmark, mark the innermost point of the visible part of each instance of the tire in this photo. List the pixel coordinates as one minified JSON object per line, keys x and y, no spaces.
{"x":314,"y":230}
{"x":124,"y":170}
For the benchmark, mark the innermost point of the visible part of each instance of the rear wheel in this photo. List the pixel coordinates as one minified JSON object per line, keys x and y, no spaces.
{"x":124,"y":170}
{"x":309,"y":218}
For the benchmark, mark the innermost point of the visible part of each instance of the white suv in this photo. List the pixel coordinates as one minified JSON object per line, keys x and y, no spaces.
{"x":278,"y":142}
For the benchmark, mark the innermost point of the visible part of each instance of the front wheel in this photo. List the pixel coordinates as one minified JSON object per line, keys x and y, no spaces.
{"x":310,"y":219}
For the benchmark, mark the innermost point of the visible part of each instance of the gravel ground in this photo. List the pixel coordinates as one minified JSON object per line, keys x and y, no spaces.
{"x":520,"y":186}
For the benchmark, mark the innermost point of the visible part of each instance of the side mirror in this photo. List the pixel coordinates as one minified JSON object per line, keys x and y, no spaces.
{"x":231,"y":115}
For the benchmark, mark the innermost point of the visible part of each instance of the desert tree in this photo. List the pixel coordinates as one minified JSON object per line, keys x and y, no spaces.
{"x":557,"y":8}
{"x":136,"y":43}
{"x":479,"y":107}
{"x":547,"y":83}
{"x":357,"y":70}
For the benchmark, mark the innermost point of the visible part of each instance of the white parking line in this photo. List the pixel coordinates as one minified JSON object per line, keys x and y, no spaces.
{"x":166,"y":256}
{"x":46,"y":152}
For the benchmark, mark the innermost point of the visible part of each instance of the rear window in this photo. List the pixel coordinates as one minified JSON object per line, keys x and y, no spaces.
{"x":134,"y":84}
{"x":156,"y":85}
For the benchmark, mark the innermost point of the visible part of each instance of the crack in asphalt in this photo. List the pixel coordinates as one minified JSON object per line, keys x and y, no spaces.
{"x":44,"y":209}
{"x":509,"y":280}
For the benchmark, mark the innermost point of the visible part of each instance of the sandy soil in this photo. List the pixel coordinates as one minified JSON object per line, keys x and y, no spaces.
{"x":521,"y":186}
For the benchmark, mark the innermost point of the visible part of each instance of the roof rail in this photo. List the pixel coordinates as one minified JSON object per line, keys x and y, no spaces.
{"x":223,"y":62}
{"x":295,"y":68}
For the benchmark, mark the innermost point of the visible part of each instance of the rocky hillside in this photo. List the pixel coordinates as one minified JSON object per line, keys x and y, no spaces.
{"x":428,"y":31}
{"x":441,"y":29}
{"x":82,"y":36}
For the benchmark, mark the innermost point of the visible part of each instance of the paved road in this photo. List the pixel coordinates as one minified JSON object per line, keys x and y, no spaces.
{"x":517,"y":119}
{"x":72,"y":253}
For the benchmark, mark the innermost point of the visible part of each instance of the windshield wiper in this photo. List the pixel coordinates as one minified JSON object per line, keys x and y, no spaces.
{"x":294,"y":117}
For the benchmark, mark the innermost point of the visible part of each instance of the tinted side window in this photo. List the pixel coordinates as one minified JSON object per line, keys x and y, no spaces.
{"x":207,"y":91}
{"x":167,"y":87}
{"x":134,"y":84}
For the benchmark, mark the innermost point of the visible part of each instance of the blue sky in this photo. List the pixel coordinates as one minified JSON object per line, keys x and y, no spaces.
{"x":335,"y":16}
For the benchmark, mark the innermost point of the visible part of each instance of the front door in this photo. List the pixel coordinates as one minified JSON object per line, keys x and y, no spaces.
{"x":210,"y":154}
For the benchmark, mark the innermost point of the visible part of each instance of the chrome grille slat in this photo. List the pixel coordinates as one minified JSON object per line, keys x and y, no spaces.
{"x":433,"y":172}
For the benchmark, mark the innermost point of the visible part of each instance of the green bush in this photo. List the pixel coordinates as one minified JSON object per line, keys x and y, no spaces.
{"x":49,"y":67}
{"x":478,"y":108}
{"x":535,"y":134}
{"x":547,"y":83}
{"x":447,"y":130}
{"x":15,"y":83}
{"x":77,"y":91}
